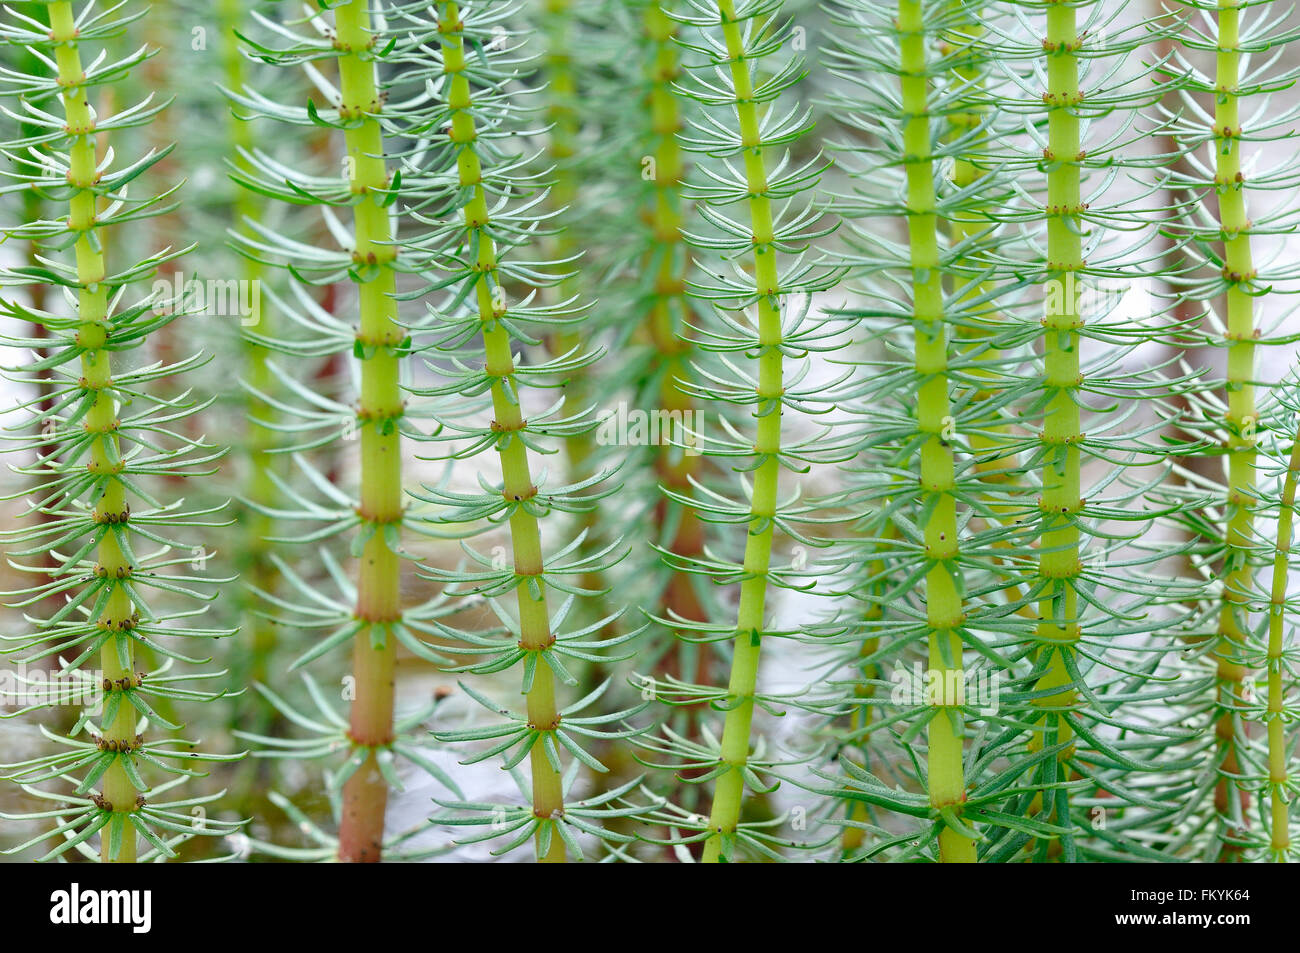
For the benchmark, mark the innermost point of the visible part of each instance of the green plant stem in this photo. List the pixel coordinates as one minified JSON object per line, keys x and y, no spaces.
{"x":97,"y":372}
{"x":943,"y":602}
{"x":864,"y":713}
{"x":994,"y":468}
{"x":1238,"y":573}
{"x":1058,"y":564}
{"x":566,"y":121}
{"x":1278,"y":761}
{"x":666,"y":321}
{"x":525,"y":533}
{"x":729,"y":791}
{"x":255,"y":568}
{"x":380,"y":341}
{"x":563,"y":114}
{"x":994,"y":464}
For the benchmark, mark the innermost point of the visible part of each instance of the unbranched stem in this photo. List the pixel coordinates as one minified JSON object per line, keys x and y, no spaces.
{"x":729,"y":792}
{"x":255,"y":567}
{"x":1278,"y":757}
{"x":666,"y":320}
{"x":96,"y":369}
{"x":525,"y":533}
{"x":1231,"y":800}
{"x":1059,"y":566}
{"x":994,"y":464}
{"x":943,"y":602}
{"x":566,"y":123}
{"x":365,"y":795}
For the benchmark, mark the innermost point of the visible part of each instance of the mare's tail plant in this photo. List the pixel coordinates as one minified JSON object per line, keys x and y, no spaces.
{"x":559,"y":24}
{"x":1097,"y":582}
{"x":488,"y":304}
{"x":1272,"y":769}
{"x":931,"y":463}
{"x":1004,"y":535}
{"x":669,"y":316}
{"x":367,"y":612}
{"x":944,"y":608}
{"x":257,"y":443}
{"x":650,"y":413}
{"x":754,"y":231}
{"x":919,"y":485}
{"x":103,"y":442}
{"x":1236,"y":207}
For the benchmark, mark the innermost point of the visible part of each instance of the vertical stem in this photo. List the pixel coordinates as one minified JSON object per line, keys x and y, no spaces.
{"x":973,"y":219}
{"x":255,"y":566}
{"x":97,"y":373}
{"x":1058,"y":564}
{"x":1278,"y":801}
{"x":993,"y":463}
{"x":562,"y":113}
{"x":525,"y":534}
{"x":863,"y":713}
{"x":365,"y":795}
{"x":729,"y":791}
{"x":943,"y":603}
{"x":1231,"y":800}
{"x":666,"y":323}
{"x":566,"y":123}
